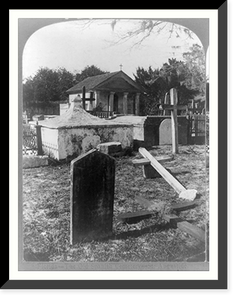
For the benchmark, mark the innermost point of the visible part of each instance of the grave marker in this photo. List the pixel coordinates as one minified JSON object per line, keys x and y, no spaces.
{"x":165,"y":132}
{"x":92,"y":196}
{"x":174,"y":120}
{"x":174,"y":107}
{"x":189,"y":194}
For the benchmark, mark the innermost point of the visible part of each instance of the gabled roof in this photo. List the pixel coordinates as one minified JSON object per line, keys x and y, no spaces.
{"x":101,"y":82}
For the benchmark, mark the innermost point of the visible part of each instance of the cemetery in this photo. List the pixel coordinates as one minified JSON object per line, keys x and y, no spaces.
{"x":76,"y":132}
{"x":113,"y":202}
{"x":116,"y":169}
{"x":101,"y":234}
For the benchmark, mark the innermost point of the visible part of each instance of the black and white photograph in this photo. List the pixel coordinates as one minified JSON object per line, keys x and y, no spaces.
{"x":115,"y":144}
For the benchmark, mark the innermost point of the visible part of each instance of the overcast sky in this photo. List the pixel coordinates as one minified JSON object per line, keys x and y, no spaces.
{"x":76,"y":44}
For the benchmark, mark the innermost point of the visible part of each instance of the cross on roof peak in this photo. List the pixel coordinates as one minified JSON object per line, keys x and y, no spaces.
{"x":121,"y":67}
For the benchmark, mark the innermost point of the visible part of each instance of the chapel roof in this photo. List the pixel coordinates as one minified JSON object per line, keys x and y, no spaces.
{"x":106,"y":81}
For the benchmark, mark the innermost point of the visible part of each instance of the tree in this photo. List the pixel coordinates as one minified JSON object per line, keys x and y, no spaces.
{"x":28,"y":92}
{"x":142,"y":29}
{"x":176,"y":73}
{"x":88,"y":72}
{"x":65,"y":81}
{"x":156,"y":83}
{"x":196,"y":68}
{"x":47,"y":86}
{"x":153,"y":86}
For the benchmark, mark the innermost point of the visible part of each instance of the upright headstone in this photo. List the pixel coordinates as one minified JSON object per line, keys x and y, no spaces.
{"x":165,"y":132}
{"x":92,"y":196}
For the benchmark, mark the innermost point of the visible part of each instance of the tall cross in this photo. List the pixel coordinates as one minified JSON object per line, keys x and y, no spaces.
{"x":121,"y":67}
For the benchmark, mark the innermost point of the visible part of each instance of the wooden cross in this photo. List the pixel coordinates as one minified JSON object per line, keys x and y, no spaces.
{"x":174,"y":119}
{"x":84,"y":99}
{"x":174,"y":107}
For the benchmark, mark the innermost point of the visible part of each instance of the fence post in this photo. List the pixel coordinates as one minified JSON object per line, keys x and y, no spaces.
{"x":190,"y":129}
{"x":196,"y":128}
{"x":39,"y":140}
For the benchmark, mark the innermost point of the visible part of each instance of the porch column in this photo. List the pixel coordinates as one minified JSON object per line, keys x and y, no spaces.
{"x":137,"y":104}
{"x":111,"y":101}
{"x":125,"y":103}
{"x":97,"y":97}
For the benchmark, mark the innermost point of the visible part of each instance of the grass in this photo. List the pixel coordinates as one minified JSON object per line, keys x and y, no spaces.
{"x":46,"y":213}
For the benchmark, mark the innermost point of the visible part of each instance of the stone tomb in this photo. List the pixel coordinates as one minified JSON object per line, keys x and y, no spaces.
{"x":92,"y":196}
{"x":76,"y":132}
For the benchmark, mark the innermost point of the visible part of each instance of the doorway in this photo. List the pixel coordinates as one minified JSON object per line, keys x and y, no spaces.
{"x":115,"y":103}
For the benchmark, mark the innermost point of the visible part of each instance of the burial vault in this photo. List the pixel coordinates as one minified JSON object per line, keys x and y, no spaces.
{"x":75,"y":132}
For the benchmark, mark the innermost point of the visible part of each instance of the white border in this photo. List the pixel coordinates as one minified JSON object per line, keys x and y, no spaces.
{"x":13,"y":79}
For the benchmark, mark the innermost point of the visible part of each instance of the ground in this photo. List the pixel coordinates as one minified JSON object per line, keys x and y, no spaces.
{"x":46,"y":213}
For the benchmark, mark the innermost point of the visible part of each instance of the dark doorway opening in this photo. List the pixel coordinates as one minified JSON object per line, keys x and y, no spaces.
{"x":115,"y":103}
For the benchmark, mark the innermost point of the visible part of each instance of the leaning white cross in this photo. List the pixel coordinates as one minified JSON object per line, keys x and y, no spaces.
{"x":189,"y":194}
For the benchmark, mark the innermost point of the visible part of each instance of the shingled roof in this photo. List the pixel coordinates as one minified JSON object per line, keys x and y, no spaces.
{"x":93,"y":82}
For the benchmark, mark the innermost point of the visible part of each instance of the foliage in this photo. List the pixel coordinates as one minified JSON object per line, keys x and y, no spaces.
{"x":187,"y":76}
{"x":51,"y":85}
{"x":88,"y":72}
{"x":47,"y":86}
{"x":157,"y":83}
{"x":143,"y":29}
{"x":196,"y":71}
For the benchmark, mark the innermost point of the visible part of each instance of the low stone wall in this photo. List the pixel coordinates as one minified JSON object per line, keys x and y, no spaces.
{"x":147,"y":130}
{"x":157,"y":134}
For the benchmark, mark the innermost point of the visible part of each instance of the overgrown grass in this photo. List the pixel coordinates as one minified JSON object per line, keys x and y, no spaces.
{"x":46,"y":213}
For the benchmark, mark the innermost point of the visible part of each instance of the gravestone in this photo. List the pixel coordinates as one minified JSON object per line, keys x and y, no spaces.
{"x":165,"y":132}
{"x":92,"y":196}
{"x":110,"y":147}
{"x":150,"y":172}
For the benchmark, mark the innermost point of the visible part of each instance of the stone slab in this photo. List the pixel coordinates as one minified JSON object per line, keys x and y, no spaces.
{"x":110,"y":147}
{"x":33,"y":161}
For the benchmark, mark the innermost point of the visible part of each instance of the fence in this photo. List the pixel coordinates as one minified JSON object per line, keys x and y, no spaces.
{"x":196,"y":129}
{"x":42,"y":109}
{"x":31,"y":140}
{"x":101,"y":114}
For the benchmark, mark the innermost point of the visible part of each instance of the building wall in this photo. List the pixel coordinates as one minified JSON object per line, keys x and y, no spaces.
{"x":103,"y":97}
{"x":64,"y":107}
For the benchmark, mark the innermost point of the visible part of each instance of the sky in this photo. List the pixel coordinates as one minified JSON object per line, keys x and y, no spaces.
{"x":74,"y":45}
